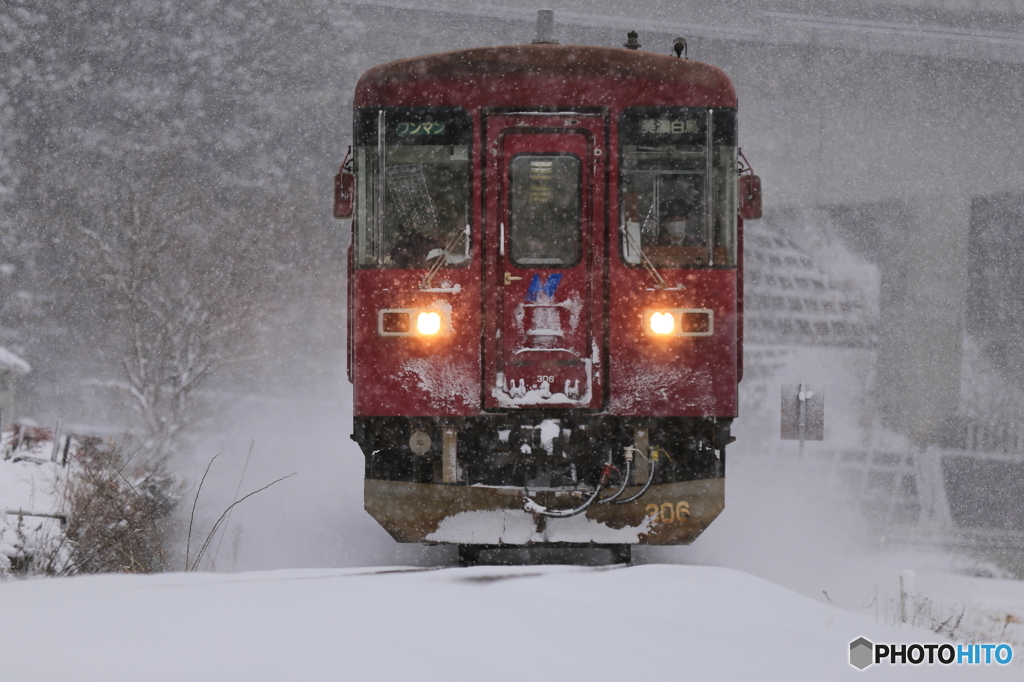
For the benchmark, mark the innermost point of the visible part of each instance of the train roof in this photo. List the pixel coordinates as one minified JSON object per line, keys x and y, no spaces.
{"x":545,"y":75}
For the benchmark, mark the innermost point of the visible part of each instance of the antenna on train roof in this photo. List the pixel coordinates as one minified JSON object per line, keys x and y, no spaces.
{"x":545,"y":27}
{"x":679,"y":45}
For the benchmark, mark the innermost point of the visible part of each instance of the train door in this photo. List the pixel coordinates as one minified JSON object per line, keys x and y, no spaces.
{"x":544,"y":272}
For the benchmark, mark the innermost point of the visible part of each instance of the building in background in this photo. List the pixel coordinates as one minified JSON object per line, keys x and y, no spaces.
{"x":12,"y":368}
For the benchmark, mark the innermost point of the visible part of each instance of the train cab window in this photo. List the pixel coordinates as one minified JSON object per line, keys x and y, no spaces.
{"x":544,"y":210}
{"x":677,"y":187}
{"x":412,"y":187}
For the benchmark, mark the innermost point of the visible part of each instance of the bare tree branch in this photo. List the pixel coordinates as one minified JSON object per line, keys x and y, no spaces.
{"x":192,"y":518}
{"x":216,"y":526}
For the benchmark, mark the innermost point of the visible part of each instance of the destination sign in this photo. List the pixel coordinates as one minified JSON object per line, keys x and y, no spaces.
{"x":429,"y":126}
{"x":665,"y":126}
{"x":420,"y":128}
{"x":677,"y":126}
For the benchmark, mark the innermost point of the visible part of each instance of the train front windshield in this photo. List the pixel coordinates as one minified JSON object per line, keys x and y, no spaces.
{"x":413,"y":191}
{"x":677,"y":186}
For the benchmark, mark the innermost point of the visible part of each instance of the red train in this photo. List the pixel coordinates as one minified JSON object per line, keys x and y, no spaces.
{"x":545,"y":294}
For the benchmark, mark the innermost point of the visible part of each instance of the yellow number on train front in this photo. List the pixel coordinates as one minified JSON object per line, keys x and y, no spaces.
{"x":668,"y":512}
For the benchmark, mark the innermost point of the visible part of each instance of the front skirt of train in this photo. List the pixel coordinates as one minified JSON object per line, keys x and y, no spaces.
{"x":667,"y":514}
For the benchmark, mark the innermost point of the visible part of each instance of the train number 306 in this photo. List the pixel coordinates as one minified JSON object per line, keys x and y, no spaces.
{"x":668,"y":512}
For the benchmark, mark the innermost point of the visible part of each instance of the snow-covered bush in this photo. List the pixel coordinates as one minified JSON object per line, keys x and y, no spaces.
{"x":120,"y":513}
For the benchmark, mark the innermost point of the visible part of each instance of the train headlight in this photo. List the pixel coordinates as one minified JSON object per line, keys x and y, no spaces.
{"x":663,"y":323}
{"x":428,"y":323}
{"x":679,"y":322}
{"x":423,"y":323}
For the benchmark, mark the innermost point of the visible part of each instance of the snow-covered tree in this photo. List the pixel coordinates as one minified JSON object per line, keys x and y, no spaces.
{"x":182,"y":285}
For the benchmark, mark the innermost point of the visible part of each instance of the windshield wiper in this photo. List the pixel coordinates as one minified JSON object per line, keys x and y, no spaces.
{"x":442,"y":257}
{"x":659,"y":281}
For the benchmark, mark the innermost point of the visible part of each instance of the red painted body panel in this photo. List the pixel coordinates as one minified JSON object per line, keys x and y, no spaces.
{"x":447,"y":375}
{"x":413,"y":375}
{"x":524,"y":76}
{"x":676,"y":375}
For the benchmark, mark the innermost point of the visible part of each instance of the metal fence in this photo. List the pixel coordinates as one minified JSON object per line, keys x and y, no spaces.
{"x":933,"y":496}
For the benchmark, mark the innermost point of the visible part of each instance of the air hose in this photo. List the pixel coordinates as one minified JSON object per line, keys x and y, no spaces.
{"x":625,"y":477}
{"x":655,"y":453}
{"x":534,"y":508}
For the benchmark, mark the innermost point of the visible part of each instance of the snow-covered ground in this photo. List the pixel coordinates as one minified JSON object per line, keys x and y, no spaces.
{"x":654,"y":622}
